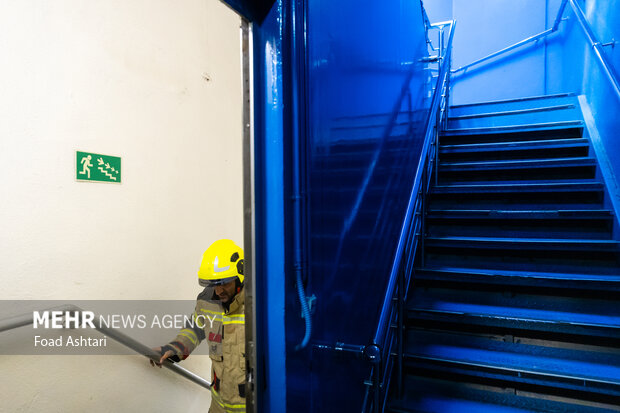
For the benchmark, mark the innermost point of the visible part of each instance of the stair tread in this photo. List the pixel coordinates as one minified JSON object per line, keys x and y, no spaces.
{"x":540,"y":98}
{"x":513,"y":128}
{"x":525,"y":243}
{"x":440,"y":395}
{"x":529,"y":240}
{"x":509,"y":112}
{"x":448,"y":404}
{"x":512,"y":313}
{"x":513,"y":145}
{"x":521,"y":163}
{"x":520,"y":187}
{"x":520,"y":274}
{"x":576,"y":370}
{"x":500,"y":117}
{"x":520,"y":214}
{"x":523,"y":358}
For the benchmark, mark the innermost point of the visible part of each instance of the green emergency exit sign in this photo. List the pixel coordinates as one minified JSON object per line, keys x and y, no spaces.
{"x":98,"y":168}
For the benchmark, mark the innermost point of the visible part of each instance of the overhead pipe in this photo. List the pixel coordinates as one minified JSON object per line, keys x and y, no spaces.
{"x":299,"y":163}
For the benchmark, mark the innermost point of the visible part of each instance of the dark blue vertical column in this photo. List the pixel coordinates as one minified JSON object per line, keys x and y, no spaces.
{"x":270,"y":114}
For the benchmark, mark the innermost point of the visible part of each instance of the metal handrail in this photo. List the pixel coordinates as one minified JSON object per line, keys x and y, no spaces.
{"x":380,"y":333}
{"x":427,"y":25}
{"x":26,"y":319}
{"x":530,"y":39}
{"x":409,"y":235}
{"x":587,"y":29}
{"x":596,"y":45}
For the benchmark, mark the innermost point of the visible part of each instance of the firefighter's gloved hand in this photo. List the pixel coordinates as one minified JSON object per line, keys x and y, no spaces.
{"x":166,"y":353}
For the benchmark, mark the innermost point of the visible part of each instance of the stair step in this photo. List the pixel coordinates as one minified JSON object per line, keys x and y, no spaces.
{"x":493,"y":358}
{"x":512,"y":146}
{"x":534,"y":279}
{"x":537,"y":260}
{"x":577,"y":214}
{"x":502,"y":118}
{"x":546,"y":149}
{"x":516,"y":175}
{"x":439,"y":395}
{"x":574,"y":230}
{"x":524,"y":243}
{"x":521,"y":170}
{"x":588,"y":224}
{"x":521,"y":188}
{"x":578,"y":194}
{"x":479,"y":136}
{"x":512,"y":104}
{"x":524,"y":254}
{"x":513,"y":309}
{"x":536,"y":109}
{"x":549,"y":126}
{"x":552,"y":195}
{"x":528,"y":164}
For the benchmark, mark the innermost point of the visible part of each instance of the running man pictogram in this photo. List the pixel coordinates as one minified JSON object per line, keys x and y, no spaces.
{"x":86,"y":165}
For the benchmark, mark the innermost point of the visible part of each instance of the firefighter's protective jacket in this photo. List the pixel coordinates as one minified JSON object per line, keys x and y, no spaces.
{"x":224,"y":330}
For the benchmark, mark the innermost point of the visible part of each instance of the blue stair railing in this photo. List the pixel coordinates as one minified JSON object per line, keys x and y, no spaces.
{"x":389,"y":331}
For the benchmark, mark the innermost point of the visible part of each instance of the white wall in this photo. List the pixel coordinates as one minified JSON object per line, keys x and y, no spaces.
{"x":124,"y":78}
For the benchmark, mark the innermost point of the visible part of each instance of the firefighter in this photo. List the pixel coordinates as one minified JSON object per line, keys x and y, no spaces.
{"x":220,"y":319}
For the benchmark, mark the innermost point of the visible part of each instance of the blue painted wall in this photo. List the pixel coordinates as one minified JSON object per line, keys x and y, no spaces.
{"x":365,"y":112}
{"x":565,"y":51}
{"x":438,"y":10}
{"x":552,"y":65}
{"x":604,"y":17}
{"x":340,"y":91}
{"x":485,"y":27}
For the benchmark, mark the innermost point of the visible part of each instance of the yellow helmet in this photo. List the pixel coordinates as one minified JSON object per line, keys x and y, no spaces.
{"x":221,"y":263}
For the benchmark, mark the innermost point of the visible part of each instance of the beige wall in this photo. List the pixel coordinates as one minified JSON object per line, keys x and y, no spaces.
{"x":125,"y":78}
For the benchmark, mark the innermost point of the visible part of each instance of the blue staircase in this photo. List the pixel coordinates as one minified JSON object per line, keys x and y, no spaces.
{"x":515,"y":301}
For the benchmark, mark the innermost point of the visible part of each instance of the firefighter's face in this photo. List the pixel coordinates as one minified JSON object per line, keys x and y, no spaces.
{"x":226,"y":292}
